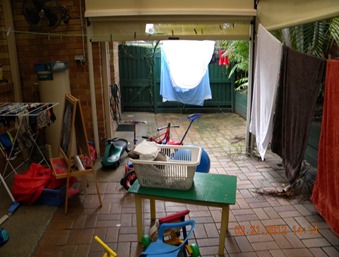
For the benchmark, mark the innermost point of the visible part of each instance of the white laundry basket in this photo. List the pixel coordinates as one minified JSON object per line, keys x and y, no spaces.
{"x":175,"y":173}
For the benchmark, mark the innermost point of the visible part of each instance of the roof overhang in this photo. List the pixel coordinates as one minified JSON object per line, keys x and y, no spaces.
{"x":189,"y":19}
{"x":278,"y":14}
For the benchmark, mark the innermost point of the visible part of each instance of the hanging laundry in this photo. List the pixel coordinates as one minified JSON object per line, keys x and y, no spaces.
{"x":266,"y":78}
{"x":326,"y":188}
{"x":194,"y":96}
{"x":184,"y":71}
{"x":296,"y":98}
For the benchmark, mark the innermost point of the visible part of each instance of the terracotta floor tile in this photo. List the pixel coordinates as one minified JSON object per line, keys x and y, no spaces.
{"x":318,"y":252}
{"x":281,"y":240}
{"x":55,"y":238}
{"x":209,"y":251}
{"x":261,"y":214}
{"x":315,"y":242}
{"x":231,"y":245}
{"x":211,"y":230}
{"x":330,"y":236}
{"x":242,"y":212}
{"x":271,"y":212}
{"x":277,"y":253}
{"x":297,"y":252}
{"x":82,"y":236}
{"x":260,"y":246}
{"x":247,"y":254}
{"x":331,"y":251}
{"x":263,"y":254}
{"x":241,"y":218}
{"x":286,"y":214}
{"x":243,"y":244}
{"x":251,"y":219}
{"x":48,"y":251}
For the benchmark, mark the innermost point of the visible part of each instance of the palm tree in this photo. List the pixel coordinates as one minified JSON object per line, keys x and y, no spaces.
{"x":318,"y":39}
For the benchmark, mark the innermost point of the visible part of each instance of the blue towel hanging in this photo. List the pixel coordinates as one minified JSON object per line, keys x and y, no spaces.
{"x":171,"y":92}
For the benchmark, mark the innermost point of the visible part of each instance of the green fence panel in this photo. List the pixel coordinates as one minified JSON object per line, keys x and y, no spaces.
{"x":140,"y":71}
{"x":135,"y":78}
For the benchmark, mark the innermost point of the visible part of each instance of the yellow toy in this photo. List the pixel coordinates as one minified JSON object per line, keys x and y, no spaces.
{"x":109,"y":252}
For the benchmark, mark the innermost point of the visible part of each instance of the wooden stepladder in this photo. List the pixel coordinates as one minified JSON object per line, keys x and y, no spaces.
{"x":69,"y":164}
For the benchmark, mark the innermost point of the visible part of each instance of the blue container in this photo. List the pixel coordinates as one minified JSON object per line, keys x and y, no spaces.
{"x":52,"y":197}
{"x":45,"y":70}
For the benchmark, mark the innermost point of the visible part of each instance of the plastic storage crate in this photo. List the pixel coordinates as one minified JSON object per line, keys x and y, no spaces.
{"x":53,"y":197}
{"x":175,"y":173}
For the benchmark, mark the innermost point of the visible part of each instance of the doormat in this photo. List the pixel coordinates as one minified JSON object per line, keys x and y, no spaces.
{"x":125,"y":127}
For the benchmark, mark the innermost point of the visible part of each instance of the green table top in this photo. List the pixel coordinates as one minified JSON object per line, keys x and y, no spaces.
{"x":212,"y":188}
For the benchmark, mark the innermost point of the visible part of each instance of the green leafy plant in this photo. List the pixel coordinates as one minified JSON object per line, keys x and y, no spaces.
{"x":238,"y":54}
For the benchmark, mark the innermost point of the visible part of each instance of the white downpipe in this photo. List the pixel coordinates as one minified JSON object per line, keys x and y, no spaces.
{"x":92,"y":89}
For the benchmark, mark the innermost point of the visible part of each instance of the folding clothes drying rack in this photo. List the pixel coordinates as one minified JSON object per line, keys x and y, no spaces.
{"x":19,"y":112}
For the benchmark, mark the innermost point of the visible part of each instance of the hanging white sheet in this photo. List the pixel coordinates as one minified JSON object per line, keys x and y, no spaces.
{"x":266,"y":76}
{"x":187,"y":61}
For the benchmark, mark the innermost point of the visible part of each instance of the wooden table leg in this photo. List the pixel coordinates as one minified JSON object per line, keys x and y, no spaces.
{"x":152,"y":209}
{"x":138,"y":208}
{"x":223,"y":228}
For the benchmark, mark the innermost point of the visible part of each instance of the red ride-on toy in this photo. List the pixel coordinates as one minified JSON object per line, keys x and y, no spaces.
{"x":129,"y":177}
{"x":172,"y":235}
{"x":169,"y":245}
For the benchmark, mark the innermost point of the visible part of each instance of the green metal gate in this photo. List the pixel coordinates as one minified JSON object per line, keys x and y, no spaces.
{"x":140,"y":84}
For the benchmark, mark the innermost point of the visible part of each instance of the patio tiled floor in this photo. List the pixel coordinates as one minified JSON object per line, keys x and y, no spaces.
{"x":260,"y":225}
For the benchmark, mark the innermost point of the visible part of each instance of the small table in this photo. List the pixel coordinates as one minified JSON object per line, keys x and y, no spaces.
{"x":208,"y":189}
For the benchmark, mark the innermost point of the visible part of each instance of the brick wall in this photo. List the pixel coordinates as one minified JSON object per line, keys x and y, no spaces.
{"x":6,"y":94}
{"x":60,"y":44}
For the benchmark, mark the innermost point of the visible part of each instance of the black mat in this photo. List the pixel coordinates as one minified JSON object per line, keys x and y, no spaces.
{"x":125,"y":127}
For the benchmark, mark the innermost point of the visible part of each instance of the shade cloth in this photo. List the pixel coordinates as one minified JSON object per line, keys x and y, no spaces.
{"x":266,"y":78}
{"x":296,"y":97}
{"x":326,"y":188}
